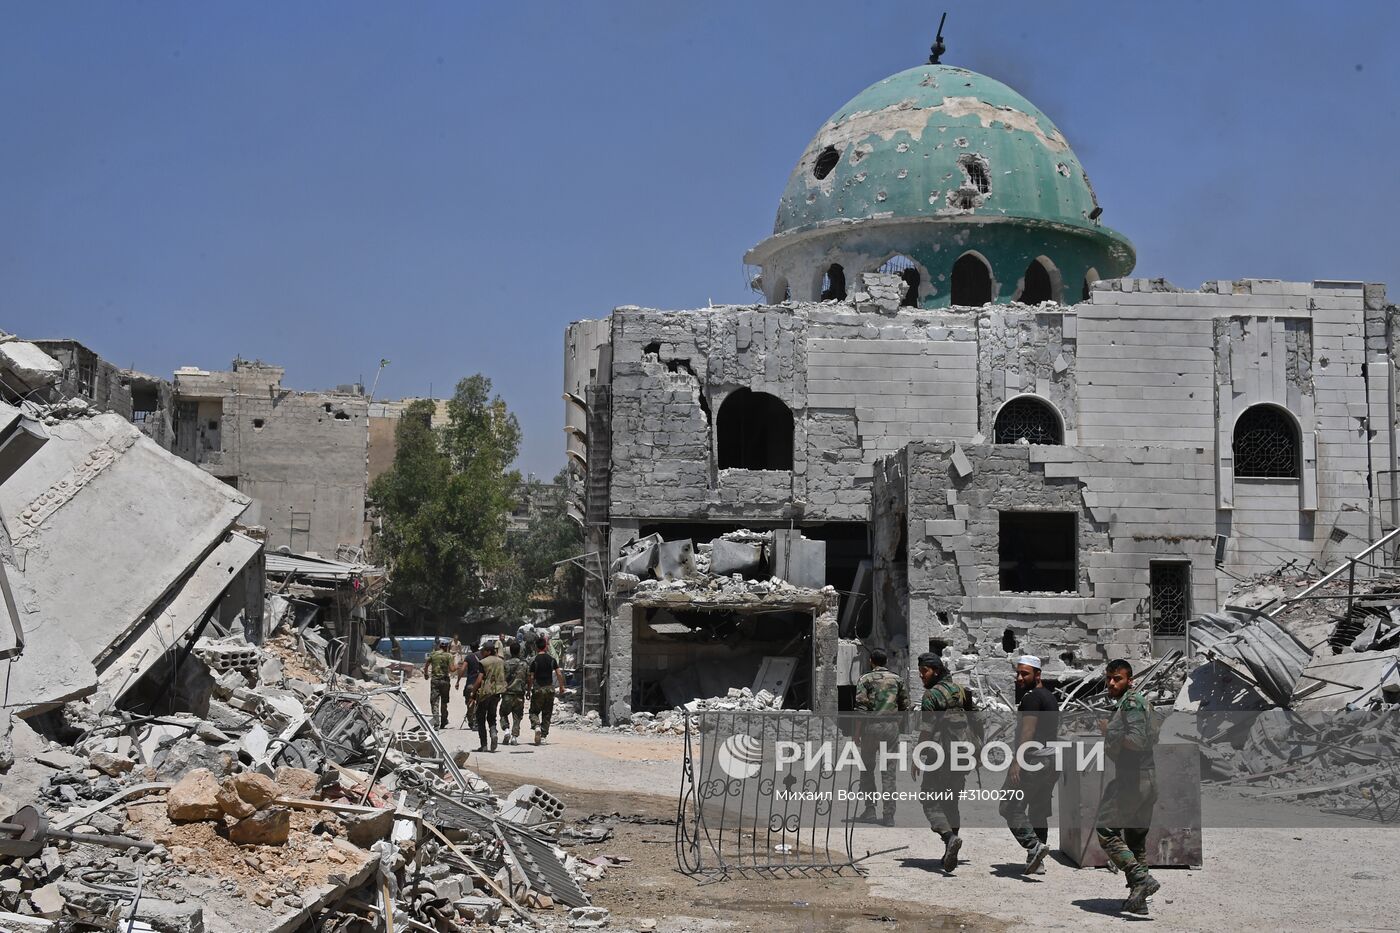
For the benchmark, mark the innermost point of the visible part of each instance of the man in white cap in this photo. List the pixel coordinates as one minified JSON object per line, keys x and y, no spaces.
{"x":1027,"y":813}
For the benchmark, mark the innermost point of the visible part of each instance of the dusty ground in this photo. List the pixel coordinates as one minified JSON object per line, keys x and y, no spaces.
{"x":1254,"y":879}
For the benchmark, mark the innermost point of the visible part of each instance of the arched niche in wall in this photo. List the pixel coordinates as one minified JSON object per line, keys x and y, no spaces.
{"x":1028,"y":418}
{"x":1267,"y":444}
{"x":971,"y":281}
{"x":754,"y":432}
{"x":1041,"y":282}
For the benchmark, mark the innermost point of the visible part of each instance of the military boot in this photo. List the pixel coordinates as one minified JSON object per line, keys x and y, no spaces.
{"x":1138,"y":895}
{"x":950,"y":852}
{"x":1035,"y":859}
{"x":867,"y":815}
{"x":888,"y":819}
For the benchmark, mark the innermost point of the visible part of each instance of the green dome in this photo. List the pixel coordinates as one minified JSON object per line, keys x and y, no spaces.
{"x":941,"y":142}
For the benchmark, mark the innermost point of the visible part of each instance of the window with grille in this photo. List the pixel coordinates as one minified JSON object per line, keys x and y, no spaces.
{"x":1266,"y":444}
{"x":1171,"y":598}
{"x":1028,"y":418}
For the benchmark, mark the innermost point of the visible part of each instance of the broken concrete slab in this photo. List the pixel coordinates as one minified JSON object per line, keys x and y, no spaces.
{"x":97,"y":481}
{"x":739,"y":557}
{"x":1331,"y":681}
{"x":121,"y":671}
{"x":24,"y":367}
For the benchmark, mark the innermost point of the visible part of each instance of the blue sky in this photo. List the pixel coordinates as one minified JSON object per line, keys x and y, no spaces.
{"x":449,"y":184}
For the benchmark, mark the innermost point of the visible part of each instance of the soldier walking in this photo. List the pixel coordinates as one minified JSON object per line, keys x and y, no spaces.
{"x":943,"y":723}
{"x":1125,"y":813}
{"x":879,"y":691}
{"x":438,"y":669}
{"x":513,"y":699}
{"x":1030,"y":791}
{"x":490,"y":686}
{"x":544,"y":674}
{"x":470,"y":672}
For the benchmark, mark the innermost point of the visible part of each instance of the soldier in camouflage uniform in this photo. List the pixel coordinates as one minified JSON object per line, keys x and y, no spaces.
{"x":942,"y":701}
{"x":438,"y":669}
{"x":879,"y":691}
{"x":513,"y":700}
{"x":1125,"y":811}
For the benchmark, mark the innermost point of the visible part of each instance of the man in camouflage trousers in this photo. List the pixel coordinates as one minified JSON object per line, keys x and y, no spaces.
{"x":879,"y":691}
{"x":1125,"y":811}
{"x":513,"y":700}
{"x":943,"y":722}
{"x":438,"y":669}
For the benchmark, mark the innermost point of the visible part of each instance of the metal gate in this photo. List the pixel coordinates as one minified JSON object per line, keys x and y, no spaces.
{"x":739,"y":812}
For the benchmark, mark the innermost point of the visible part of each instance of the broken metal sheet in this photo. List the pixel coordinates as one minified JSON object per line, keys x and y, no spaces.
{"x":315,"y":568}
{"x":1332,"y":681}
{"x":542,"y":868}
{"x":122,"y":667}
{"x":1259,"y":649}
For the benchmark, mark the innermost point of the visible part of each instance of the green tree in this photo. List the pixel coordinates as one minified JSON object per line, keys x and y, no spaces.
{"x":445,"y":503}
{"x":534,"y":573}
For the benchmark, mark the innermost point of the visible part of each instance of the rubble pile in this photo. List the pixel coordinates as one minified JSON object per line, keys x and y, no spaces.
{"x":294,"y":800}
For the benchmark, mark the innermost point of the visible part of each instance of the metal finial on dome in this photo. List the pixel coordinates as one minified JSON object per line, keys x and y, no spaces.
{"x":938,"y":48}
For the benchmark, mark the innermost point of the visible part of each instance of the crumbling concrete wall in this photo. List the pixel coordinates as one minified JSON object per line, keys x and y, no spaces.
{"x":1133,"y":506}
{"x":301,"y":456}
{"x":859,"y":385}
{"x":144,"y":400}
{"x":1023,"y":351}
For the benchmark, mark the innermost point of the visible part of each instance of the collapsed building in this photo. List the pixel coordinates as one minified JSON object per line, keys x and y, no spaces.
{"x":1005,"y":443}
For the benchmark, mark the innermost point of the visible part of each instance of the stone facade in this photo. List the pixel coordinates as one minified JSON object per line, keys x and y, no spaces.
{"x":301,"y":456}
{"x":894,"y":423}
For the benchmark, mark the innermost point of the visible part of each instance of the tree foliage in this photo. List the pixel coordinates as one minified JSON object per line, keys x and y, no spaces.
{"x":535,"y":573}
{"x":445,"y":503}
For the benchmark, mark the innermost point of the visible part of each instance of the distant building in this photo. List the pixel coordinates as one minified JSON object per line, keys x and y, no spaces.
{"x":146,"y":401}
{"x":301,"y":456}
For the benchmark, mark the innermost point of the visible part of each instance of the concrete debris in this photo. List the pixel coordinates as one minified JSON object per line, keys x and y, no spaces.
{"x":278,"y":810}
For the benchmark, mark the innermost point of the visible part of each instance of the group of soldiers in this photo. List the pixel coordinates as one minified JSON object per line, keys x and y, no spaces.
{"x":498,"y":675}
{"x":1124,"y":812}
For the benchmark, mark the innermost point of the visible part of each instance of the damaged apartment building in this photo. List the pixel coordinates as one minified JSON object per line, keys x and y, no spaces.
{"x":1003,"y":441}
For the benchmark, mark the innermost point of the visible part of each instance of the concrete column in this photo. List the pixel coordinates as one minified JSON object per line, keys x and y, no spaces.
{"x":619,"y":698}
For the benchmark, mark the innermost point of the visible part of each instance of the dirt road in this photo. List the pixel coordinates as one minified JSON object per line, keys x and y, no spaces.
{"x":1254,"y":879}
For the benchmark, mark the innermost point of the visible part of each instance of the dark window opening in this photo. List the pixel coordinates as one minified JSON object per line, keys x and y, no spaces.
{"x":1038,"y":287}
{"x":1008,"y":640}
{"x":258,"y":424}
{"x":1038,"y":552}
{"x":1028,"y":418}
{"x":911,"y":292}
{"x":1171,"y":598}
{"x":213,"y":425}
{"x":87,"y":377}
{"x":972,"y":281}
{"x":145,"y":401}
{"x":228,"y":480}
{"x":1266,"y":444}
{"x":834,"y":283}
{"x":826,"y":161}
{"x":342,"y":415}
{"x":976,"y":174}
{"x":755,"y":432}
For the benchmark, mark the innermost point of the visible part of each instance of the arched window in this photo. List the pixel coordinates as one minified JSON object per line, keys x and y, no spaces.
{"x":972,"y":281}
{"x":1042,"y":282}
{"x":1266,"y":443}
{"x":1028,"y":418}
{"x":908,"y":270}
{"x":754,"y":432}
{"x":834,"y":283}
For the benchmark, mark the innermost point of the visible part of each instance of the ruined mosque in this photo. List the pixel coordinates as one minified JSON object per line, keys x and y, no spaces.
{"x":956,"y":408}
